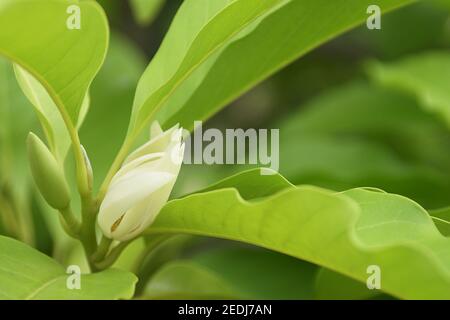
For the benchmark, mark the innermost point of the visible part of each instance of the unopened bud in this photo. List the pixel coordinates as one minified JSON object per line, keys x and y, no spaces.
{"x":48,"y":174}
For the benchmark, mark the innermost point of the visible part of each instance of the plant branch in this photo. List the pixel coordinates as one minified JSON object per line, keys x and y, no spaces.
{"x":72,"y":225}
{"x":113,"y":256}
{"x":102,"y":249}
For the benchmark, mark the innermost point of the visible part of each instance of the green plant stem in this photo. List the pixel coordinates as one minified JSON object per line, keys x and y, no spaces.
{"x":71,"y":222}
{"x":102,"y":249}
{"x":112,"y":257}
{"x":87,"y":234}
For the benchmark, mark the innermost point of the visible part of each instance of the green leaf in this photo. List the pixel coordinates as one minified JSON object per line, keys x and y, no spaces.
{"x":342,"y":232}
{"x":441,"y":218}
{"x":178,"y":39}
{"x":254,"y":183}
{"x":425,"y":76}
{"x":28,"y":274}
{"x":282,"y":36}
{"x":52,"y":123}
{"x":72,"y":56}
{"x":225,"y":25}
{"x":145,"y":11}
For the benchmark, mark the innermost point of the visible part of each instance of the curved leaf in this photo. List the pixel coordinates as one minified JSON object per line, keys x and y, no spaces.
{"x":252,"y":183}
{"x":63,"y":60}
{"x":28,"y":274}
{"x":281,"y":37}
{"x":51,"y":120}
{"x":343,"y":232}
{"x":226,"y":24}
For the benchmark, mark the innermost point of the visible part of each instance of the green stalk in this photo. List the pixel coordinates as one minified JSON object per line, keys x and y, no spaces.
{"x":71,"y":222}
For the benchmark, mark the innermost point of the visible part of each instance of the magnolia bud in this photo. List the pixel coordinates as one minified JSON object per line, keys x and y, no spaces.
{"x":142,"y":186}
{"x":48,"y":174}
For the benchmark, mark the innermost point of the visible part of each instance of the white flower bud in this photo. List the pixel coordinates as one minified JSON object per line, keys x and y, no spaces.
{"x":142,"y":186}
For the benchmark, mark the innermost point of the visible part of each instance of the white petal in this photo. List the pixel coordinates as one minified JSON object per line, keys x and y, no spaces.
{"x":141,"y":216}
{"x":127,"y":193}
{"x":157,"y":144}
{"x":136,"y":163}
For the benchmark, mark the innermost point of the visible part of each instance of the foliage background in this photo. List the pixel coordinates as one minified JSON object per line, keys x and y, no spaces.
{"x":349,"y":117}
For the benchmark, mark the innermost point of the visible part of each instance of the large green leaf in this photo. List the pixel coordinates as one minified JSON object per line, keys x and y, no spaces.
{"x":281,"y":37}
{"x":425,"y":76}
{"x":253,"y":183}
{"x":343,"y":232}
{"x":63,"y":60}
{"x":228,"y":23}
{"x":28,"y":274}
{"x":177,"y":41}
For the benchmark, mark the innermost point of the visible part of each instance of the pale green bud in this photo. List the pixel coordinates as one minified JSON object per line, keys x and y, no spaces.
{"x":48,"y":174}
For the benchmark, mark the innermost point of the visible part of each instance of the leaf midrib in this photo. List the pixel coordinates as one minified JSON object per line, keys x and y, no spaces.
{"x":42,"y":287}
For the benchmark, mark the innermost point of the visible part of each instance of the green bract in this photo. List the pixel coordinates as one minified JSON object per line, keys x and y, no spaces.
{"x":48,"y":174}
